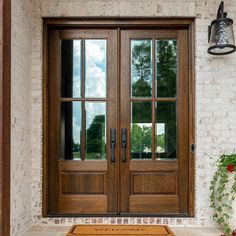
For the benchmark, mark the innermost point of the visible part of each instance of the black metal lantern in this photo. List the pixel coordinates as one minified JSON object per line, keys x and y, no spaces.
{"x":220,"y":34}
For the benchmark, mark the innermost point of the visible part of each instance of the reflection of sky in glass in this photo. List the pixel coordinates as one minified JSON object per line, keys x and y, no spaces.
{"x":76,"y":121}
{"x":76,"y":67}
{"x":160,"y":128}
{"x":160,"y":131}
{"x":95,"y":68}
{"x":94,"y":109}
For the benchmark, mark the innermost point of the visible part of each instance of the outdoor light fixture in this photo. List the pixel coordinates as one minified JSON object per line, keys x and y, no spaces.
{"x":220,"y":34}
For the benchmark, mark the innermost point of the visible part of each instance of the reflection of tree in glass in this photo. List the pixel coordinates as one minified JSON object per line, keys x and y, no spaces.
{"x":166,"y":68}
{"x":166,"y":113}
{"x":141,"y":140}
{"x":75,"y":149}
{"x":95,"y":145}
{"x":160,"y":142}
{"x":141,"y":69}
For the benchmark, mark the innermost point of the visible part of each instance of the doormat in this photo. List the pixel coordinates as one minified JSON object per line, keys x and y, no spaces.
{"x":131,"y":230}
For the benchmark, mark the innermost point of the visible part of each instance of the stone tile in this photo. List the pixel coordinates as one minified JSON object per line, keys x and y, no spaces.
{"x":36,"y":229}
{"x":210,"y":231}
{"x":40,"y":234}
{"x":61,"y":234}
{"x":187,"y":232}
{"x":212,"y":234}
{"x":57,"y":229}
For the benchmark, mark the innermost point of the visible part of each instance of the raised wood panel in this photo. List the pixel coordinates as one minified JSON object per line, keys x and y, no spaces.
{"x":154,"y":204}
{"x":73,"y":204}
{"x":154,"y":165}
{"x":153,"y":183}
{"x":83,"y":183}
{"x":82,"y":165}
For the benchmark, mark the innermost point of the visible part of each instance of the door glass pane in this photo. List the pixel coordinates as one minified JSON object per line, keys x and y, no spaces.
{"x":166,"y":130}
{"x":166,"y":67}
{"x":95,"y":68}
{"x":141,"y":130}
{"x":70,"y":68}
{"x":141,"y":68}
{"x":70,"y":130}
{"x":95,"y":130}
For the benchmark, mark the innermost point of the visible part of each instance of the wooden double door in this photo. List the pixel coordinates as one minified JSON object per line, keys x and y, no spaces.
{"x":118,"y":122}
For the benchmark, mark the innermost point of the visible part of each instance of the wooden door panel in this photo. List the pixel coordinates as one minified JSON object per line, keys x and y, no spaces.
{"x":82,"y":204}
{"x":161,"y":204}
{"x":153,"y":184}
{"x":82,"y":182}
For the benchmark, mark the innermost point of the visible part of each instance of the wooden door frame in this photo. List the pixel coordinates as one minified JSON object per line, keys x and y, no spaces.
{"x":5,"y":115}
{"x":50,"y":23}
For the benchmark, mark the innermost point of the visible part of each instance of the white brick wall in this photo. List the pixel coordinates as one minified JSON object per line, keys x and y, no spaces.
{"x":21,"y":115}
{"x":215,"y":95}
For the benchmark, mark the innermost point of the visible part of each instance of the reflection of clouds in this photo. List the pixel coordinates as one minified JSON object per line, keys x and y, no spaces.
{"x":160,"y":128}
{"x":142,"y":125}
{"x":76,"y":67}
{"x":95,"y":71}
{"x":94,"y":109}
{"x":95,"y":50}
{"x":95,"y":82}
{"x":76,"y":121}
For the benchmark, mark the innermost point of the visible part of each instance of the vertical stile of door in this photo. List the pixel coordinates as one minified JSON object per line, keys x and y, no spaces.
{"x":83,"y":113}
{"x":54,"y":108}
{"x":182,"y":116}
{"x":125,"y":119}
{"x":118,"y":120}
{"x":153,"y":100}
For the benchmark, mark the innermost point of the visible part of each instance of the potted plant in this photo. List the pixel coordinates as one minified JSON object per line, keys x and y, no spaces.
{"x":223,"y":193}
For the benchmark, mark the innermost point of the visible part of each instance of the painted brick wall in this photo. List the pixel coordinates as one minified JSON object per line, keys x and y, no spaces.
{"x":215,"y":95}
{"x":21,"y":118}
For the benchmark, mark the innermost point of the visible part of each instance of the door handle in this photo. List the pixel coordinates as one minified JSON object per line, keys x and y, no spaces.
{"x":113,"y":143}
{"x":123,"y":143}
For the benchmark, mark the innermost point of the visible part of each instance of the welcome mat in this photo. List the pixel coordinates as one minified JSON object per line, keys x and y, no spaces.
{"x":131,"y":230}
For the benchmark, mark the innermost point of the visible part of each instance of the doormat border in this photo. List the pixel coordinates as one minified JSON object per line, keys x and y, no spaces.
{"x":70,"y":233}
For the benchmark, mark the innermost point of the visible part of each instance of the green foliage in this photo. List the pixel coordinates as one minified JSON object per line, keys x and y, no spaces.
{"x":166,"y":68}
{"x":141,"y":138}
{"x":221,"y":198}
{"x":160,"y":141}
{"x":95,"y":136}
{"x":141,"y":69}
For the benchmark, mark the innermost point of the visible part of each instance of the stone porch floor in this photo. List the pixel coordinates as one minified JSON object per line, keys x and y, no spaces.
{"x":62,"y":230}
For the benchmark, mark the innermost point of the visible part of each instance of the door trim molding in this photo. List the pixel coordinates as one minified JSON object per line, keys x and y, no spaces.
{"x":5,"y":115}
{"x":55,"y":23}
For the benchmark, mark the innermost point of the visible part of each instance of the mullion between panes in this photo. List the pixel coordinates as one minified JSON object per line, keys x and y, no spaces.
{"x":83,"y":118}
{"x":153,"y":102}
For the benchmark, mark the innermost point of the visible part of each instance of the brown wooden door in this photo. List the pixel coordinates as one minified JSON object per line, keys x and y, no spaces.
{"x":154,"y":111}
{"x":82,"y":111}
{"x":131,"y":82}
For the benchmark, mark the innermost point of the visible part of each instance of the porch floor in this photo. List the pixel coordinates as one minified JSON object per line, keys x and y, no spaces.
{"x":62,"y":230}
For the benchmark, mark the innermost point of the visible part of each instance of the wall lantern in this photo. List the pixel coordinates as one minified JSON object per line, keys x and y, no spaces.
{"x":220,"y":34}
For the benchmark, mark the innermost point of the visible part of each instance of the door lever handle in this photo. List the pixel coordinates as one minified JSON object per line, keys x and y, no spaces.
{"x":123,"y":143}
{"x":113,"y":143}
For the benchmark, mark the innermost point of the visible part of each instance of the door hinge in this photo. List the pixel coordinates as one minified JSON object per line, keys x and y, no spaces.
{"x":192,"y":147}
